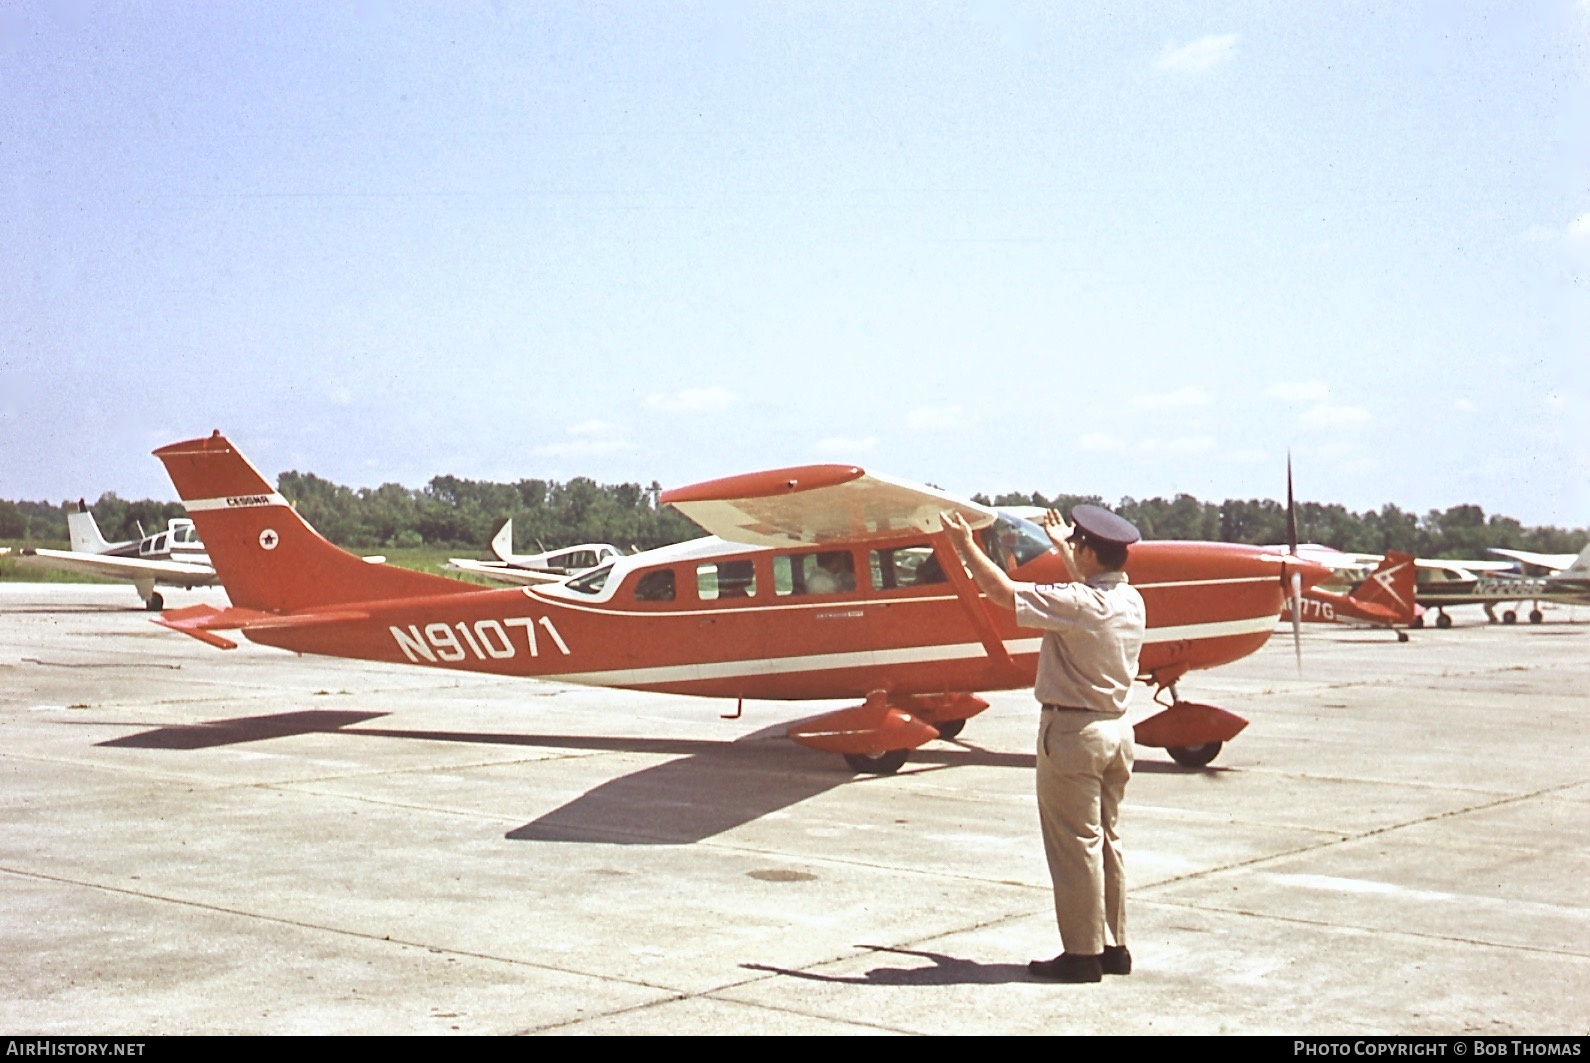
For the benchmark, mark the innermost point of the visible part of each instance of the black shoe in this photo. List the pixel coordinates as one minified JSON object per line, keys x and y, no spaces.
{"x":1116,"y":960}
{"x":1067,"y":967}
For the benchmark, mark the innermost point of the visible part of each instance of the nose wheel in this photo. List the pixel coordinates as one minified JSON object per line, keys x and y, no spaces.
{"x":1195,"y":756}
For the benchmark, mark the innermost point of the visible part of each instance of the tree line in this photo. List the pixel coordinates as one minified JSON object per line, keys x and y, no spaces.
{"x":463,"y":514}
{"x":1462,"y":531}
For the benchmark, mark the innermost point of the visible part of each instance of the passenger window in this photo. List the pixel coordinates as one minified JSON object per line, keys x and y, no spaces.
{"x":905,"y":566}
{"x":726,"y":579}
{"x":828,"y":572}
{"x":655,"y":586}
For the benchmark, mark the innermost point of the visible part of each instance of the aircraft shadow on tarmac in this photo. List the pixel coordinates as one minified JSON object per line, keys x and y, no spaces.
{"x":706,"y":789}
{"x":943,"y":970}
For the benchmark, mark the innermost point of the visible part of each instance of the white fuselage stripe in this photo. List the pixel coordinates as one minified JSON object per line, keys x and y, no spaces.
{"x":564,"y":597}
{"x":199,"y":505}
{"x":684,"y":673}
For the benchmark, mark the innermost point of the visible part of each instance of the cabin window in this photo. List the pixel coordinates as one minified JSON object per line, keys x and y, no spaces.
{"x":905,"y":566}
{"x":574,"y":560}
{"x":657,"y":586}
{"x":825,"y":572}
{"x":726,"y":579}
{"x":592,"y":582}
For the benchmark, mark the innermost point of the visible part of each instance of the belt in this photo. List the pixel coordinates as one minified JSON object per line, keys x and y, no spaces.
{"x":1047,"y":707}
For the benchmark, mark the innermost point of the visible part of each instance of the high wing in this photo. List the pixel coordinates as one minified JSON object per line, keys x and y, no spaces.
{"x":137,"y":569}
{"x":817,"y":504}
{"x":1537,"y":564}
{"x":1463,"y":569}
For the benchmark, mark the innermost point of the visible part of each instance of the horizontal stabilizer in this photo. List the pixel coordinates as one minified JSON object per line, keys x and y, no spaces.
{"x":201,"y":620}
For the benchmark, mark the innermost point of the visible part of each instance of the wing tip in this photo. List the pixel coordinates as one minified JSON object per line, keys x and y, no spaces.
{"x":766,"y":484}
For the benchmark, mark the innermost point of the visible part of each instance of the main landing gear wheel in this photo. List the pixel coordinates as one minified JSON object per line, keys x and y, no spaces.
{"x":950,"y":728}
{"x":1195,"y":756}
{"x":155,"y":603}
{"x":1418,"y":621}
{"x":1443,"y":621}
{"x":1509,"y":617}
{"x":882,"y":764}
{"x":1402,"y":636}
{"x":1536,"y":616}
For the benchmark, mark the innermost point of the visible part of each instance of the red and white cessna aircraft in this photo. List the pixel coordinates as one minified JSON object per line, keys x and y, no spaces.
{"x":822,"y":581}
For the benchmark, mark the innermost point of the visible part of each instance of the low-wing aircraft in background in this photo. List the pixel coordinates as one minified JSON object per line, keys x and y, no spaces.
{"x":551,"y":566}
{"x":818,"y":582}
{"x":1383,"y":599}
{"x":172,"y":558}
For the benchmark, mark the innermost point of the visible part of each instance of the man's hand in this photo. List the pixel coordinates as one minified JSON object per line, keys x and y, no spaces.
{"x":1060,"y":534}
{"x":960,"y":533}
{"x":990,"y":578}
{"x":1059,"y":531}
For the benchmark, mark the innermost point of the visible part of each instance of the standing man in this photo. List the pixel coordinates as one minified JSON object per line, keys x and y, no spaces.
{"x":1093,"y":629}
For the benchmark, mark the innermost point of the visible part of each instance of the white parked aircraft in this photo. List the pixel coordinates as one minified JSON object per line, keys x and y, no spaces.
{"x":172,"y":558}
{"x":552,"y":566}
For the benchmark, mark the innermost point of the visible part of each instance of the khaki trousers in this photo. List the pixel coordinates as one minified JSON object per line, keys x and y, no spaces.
{"x":1084,"y":762}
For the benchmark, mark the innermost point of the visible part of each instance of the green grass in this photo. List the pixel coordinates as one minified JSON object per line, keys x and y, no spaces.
{"x":11,"y":572}
{"x":419,"y":558}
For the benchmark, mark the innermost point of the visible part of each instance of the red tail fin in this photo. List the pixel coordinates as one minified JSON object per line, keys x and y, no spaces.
{"x":266,"y":556}
{"x":1390,"y":586}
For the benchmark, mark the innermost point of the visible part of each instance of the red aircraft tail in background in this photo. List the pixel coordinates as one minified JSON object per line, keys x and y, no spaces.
{"x":1385,"y":598}
{"x":268,"y":557}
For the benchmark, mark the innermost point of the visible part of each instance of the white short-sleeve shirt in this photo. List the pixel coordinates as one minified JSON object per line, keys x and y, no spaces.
{"x":1093,"y":633}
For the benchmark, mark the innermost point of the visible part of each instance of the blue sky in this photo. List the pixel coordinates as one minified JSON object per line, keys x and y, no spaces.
{"x":1125,"y":250}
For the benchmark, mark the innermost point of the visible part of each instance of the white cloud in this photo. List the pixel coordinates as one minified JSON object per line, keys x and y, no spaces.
{"x":839,"y":446}
{"x":1100,"y":441}
{"x":1195,"y":57}
{"x":939,"y":418}
{"x":1327,"y":416}
{"x":694,"y":400}
{"x":1192,"y":395}
{"x":1179,"y":445}
{"x":581,"y":448}
{"x":1465,"y":405}
{"x":592,"y":428}
{"x":1300,"y":391}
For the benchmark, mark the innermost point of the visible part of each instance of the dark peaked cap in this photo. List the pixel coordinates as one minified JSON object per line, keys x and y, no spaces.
{"x":1104,"y":527}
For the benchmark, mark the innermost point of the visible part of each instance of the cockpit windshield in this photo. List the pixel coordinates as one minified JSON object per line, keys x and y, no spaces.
{"x":1013,"y":541}
{"x":591,"y":582}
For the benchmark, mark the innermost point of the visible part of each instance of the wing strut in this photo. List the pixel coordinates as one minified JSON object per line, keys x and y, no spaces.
{"x":971,"y":600}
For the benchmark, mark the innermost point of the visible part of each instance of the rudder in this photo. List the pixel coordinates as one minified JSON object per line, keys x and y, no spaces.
{"x":1390,"y":586}
{"x":84,"y":531}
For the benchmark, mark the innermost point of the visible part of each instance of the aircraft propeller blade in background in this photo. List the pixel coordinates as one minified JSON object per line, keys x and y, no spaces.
{"x":1297,"y":577}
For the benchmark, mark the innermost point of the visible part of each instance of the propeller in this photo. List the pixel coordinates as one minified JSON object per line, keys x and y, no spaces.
{"x":1296,"y":581}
